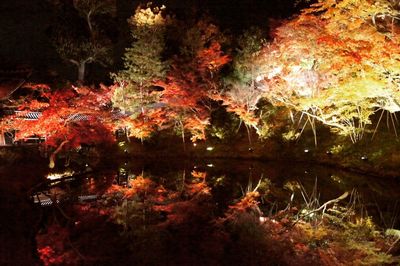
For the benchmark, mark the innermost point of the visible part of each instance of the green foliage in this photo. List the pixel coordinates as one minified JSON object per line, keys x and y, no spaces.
{"x":272,"y":119}
{"x":264,"y":131}
{"x":393,"y":232}
{"x":337,"y":149}
{"x":376,"y":156}
{"x":199,"y":36}
{"x":143,"y":62}
{"x":82,"y":50}
{"x":245,"y":69}
{"x":224,"y":125}
{"x":358,"y":237}
{"x":290,"y":135}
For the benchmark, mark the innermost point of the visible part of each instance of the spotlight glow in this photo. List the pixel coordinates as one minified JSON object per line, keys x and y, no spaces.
{"x":55,"y":176}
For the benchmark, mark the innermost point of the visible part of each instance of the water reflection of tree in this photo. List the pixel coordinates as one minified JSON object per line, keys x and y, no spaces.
{"x":177,"y":219}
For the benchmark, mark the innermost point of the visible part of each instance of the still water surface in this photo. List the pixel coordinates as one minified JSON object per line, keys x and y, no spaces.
{"x":229,"y":179}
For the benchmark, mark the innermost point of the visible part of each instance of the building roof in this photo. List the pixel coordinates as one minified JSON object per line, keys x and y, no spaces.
{"x":8,"y":86}
{"x":11,"y":80}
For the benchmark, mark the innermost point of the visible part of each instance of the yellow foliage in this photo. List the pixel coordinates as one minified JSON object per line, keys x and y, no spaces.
{"x":338,"y":62}
{"x":149,"y":16}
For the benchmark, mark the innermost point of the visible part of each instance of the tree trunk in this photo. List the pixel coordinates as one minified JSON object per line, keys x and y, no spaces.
{"x":53,"y":155}
{"x":89,"y":22}
{"x":2,"y":138}
{"x":81,"y":71}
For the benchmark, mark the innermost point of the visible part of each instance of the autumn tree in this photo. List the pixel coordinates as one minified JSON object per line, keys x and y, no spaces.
{"x":143,"y":62}
{"x":241,"y":94}
{"x":157,"y":94}
{"x":65,"y":118}
{"x":336,"y":63}
{"x":193,"y":79}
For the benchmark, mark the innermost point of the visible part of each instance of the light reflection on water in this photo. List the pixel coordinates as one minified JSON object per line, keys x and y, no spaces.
{"x":229,"y":179}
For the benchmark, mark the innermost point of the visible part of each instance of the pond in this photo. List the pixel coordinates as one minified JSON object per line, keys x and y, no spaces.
{"x":198,"y":212}
{"x":229,"y":179}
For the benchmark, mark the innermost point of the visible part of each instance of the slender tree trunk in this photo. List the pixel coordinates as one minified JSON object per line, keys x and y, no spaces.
{"x":89,"y":22}
{"x":53,"y":155}
{"x":81,"y":71}
{"x":2,"y":138}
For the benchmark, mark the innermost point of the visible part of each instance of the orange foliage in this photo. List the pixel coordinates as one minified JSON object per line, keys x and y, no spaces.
{"x":189,"y":86}
{"x":247,"y":202}
{"x":146,"y":123}
{"x":198,"y":174}
{"x":243,"y":111}
{"x":140,"y":186}
{"x":212,"y":58}
{"x":59,"y":121}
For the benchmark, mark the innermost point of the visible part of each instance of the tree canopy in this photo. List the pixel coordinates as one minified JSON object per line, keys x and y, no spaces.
{"x":336,"y":63}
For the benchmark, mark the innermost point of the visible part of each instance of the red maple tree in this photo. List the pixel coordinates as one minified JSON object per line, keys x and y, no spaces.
{"x":66,"y":118}
{"x":189,"y":86}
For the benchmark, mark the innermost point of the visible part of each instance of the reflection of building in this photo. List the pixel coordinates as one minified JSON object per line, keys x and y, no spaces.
{"x":43,"y":199}
{"x":62,"y":187}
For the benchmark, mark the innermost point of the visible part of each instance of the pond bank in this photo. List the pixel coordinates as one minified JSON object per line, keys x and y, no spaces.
{"x":379,"y":160}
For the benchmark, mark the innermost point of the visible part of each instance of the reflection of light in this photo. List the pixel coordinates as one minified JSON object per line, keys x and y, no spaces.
{"x":54,"y":176}
{"x":195,"y":167}
{"x":306,"y":150}
{"x":210,"y":165}
{"x":336,"y":178}
{"x":210,"y":148}
{"x":263,"y":219}
{"x":194,"y":144}
{"x":122,"y":143}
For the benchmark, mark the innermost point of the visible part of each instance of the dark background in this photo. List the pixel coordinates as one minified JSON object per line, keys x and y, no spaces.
{"x":26,"y":26}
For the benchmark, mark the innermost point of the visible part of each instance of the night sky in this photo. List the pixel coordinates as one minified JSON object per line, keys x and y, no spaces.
{"x":26,"y":26}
